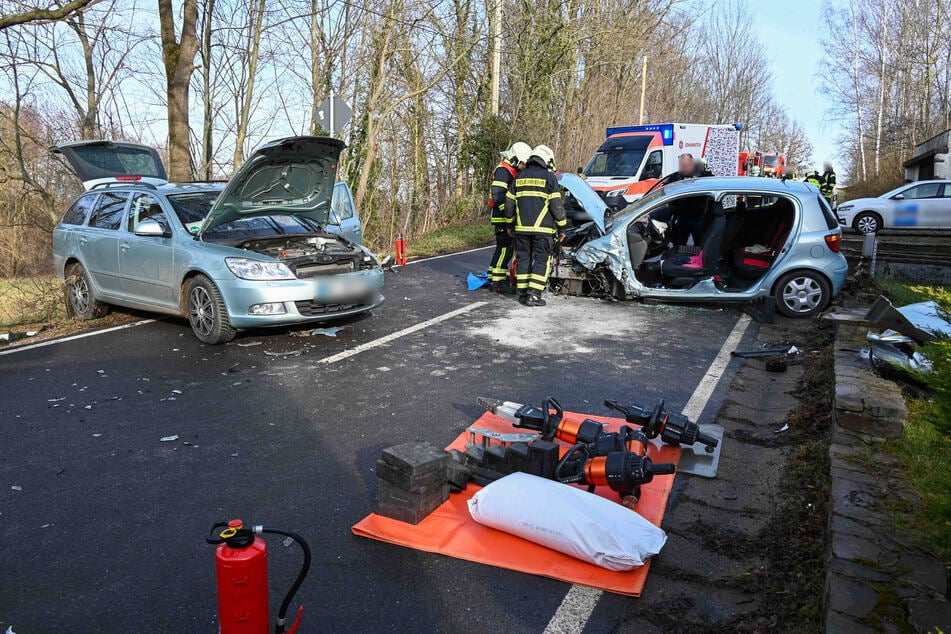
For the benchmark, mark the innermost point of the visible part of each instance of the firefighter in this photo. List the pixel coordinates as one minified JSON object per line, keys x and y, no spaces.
{"x":827,"y":186}
{"x":534,"y":202}
{"x":814,"y":178}
{"x":513,"y":160}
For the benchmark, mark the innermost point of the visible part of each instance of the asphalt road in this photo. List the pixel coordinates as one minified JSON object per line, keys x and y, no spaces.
{"x":103,"y":524}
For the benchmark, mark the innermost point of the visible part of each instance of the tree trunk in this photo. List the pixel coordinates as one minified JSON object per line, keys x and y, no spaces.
{"x":207,"y":120}
{"x":244,"y":116}
{"x":178,"y":56}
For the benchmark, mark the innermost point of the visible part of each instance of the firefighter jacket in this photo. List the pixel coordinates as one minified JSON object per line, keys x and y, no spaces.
{"x":828,"y":184}
{"x":815,"y":179}
{"x":534,"y":202}
{"x":504,"y":174}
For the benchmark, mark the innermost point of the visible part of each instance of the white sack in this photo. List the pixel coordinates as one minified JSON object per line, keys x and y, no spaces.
{"x":567,"y":519}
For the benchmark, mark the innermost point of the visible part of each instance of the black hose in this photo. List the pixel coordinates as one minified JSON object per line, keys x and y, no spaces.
{"x":576,"y":477}
{"x":282,"y":614}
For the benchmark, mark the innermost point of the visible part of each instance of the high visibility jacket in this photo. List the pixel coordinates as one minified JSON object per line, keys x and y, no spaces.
{"x":815,"y":180}
{"x":501,"y":180}
{"x":534,"y":201}
{"x":828,"y":184}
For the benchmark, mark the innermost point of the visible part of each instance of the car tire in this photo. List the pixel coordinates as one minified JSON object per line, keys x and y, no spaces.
{"x":81,"y":303}
{"x":802,"y":294}
{"x":867,"y":222}
{"x":207,"y":313}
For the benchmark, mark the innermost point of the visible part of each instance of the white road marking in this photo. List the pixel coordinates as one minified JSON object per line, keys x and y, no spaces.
{"x":578,"y":605}
{"x":346,"y":354}
{"x":449,"y":255}
{"x":83,"y":335}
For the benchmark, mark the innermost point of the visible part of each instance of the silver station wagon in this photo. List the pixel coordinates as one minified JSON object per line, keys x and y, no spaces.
{"x":279,"y":244}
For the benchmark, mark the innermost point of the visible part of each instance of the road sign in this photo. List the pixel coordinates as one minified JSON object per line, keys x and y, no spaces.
{"x":333,"y":114}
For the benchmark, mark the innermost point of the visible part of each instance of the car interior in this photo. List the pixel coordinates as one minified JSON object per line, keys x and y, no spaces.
{"x":734,"y":240}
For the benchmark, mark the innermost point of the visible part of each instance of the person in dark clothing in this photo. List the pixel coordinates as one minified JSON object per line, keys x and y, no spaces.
{"x":513,"y":160}
{"x":534,"y":203}
{"x":827,"y":183}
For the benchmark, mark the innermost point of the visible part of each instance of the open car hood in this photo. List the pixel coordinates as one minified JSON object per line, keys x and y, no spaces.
{"x":293,"y":176}
{"x":586,"y":197}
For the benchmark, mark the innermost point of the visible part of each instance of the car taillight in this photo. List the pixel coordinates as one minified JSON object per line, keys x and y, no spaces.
{"x":128,"y":178}
{"x":834,"y":241}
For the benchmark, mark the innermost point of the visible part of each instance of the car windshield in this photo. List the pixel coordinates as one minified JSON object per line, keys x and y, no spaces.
{"x":191,"y":208}
{"x":615,"y":162}
{"x":261,"y":227}
{"x":897,"y":190}
{"x":637,"y":206}
{"x":771,"y":161}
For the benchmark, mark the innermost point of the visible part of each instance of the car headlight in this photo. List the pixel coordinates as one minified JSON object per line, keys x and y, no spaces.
{"x":248,"y":269}
{"x":615,"y":192}
{"x":844,"y":207}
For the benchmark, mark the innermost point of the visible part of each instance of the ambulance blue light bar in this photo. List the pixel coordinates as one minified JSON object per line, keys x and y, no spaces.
{"x":666,"y":131}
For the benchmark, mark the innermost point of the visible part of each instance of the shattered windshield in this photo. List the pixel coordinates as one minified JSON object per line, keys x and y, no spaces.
{"x":615,"y":162}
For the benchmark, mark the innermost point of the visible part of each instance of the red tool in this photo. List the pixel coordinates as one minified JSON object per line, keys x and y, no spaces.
{"x":241,"y":571}
{"x":400,"y":249}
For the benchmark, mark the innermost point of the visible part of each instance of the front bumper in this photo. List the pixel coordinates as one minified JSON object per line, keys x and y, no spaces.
{"x":313,"y":299}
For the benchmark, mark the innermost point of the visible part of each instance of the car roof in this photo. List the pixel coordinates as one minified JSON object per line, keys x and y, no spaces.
{"x":747,"y":183}
{"x":167,"y":188}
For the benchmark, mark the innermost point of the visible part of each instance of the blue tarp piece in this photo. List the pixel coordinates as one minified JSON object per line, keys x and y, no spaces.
{"x":477,"y":281}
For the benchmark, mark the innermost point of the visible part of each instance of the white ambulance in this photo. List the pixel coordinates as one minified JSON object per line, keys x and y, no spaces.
{"x":634,"y":158}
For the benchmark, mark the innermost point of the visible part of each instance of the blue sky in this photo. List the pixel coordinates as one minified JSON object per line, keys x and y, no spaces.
{"x":791,"y":35}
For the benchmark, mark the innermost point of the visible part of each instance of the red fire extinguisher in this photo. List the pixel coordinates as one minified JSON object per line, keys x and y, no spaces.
{"x":400,"y":249}
{"x":241,"y":571}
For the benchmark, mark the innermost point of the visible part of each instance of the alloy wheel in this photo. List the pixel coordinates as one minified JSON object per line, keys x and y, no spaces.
{"x":201,"y":311}
{"x":79,"y":295}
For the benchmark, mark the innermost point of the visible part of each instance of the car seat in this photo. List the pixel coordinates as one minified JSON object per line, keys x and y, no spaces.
{"x":680,"y":269}
{"x":753,"y":260}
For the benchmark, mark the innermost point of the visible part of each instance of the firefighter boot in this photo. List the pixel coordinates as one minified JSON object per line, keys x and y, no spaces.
{"x":535,"y":299}
{"x":523,"y":298}
{"x":505,"y":287}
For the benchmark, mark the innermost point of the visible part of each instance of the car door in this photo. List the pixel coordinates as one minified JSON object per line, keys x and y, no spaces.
{"x":147,"y":263}
{"x":344,"y":219}
{"x":915,"y":206}
{"x":939,"y":212}
{"x":99,"y":243}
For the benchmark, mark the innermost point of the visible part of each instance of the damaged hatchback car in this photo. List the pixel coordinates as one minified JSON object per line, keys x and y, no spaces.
{"x":278,"y":244}
{"x":716,"y":239}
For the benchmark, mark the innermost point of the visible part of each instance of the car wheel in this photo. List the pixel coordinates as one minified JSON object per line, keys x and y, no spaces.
{"x":207,"y":313}
{"x":867,"y":222}
{"x":80,"y":301}
{"x":802,"y":294}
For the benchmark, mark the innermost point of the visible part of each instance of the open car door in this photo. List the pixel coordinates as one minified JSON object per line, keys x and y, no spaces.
{"x":96,"y":162}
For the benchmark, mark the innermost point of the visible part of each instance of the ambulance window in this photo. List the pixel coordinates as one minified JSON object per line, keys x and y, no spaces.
{"x":654,"y":167}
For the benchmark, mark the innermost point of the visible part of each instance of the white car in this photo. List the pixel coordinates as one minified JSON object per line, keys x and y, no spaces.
{"x":919,"y":204}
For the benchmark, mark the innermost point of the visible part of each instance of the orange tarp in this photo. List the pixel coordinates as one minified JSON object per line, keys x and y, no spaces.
{"x":450,"y":530}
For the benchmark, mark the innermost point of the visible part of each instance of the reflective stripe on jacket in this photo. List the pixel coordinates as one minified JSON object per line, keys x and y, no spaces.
{"x":501,"y":181}
{"x":534,"y":201}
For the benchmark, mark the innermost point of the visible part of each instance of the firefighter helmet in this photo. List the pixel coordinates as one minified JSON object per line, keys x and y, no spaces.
{"x":546,"y":155}
{"x":519,"y":153}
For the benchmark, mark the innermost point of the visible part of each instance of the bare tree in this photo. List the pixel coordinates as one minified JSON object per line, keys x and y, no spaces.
{"x":36,"y":15}
{"x":178,"y":55}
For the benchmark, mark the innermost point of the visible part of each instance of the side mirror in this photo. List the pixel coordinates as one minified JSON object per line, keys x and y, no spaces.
{"x":898,"y":197}
{"x":152,"y":229}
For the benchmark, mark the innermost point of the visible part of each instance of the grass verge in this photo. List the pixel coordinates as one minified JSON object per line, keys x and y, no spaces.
{"x":925,"y":447}
{"x":31,"y":301}
{"x":451,"y":239}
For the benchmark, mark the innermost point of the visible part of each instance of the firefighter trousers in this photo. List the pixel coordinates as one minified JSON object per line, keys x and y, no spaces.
{"x":499,"y":266}
{"x":532,"y":261}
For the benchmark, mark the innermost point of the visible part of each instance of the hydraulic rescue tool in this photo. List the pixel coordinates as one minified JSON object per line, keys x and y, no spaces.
{"x":598,"y":457}
{"x":549,"y":420}
{"x":241,"y":572}
{"x":673,"y":429}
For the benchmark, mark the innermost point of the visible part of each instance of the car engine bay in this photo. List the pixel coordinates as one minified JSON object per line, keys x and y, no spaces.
{"x":312,"y":255}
